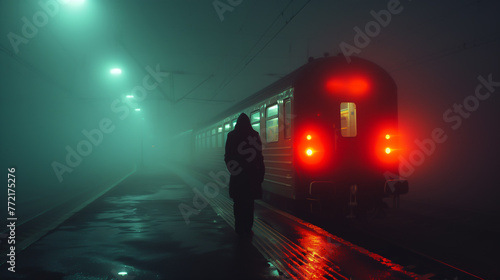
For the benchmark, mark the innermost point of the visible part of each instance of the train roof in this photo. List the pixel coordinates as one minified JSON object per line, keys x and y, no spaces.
{"x":282,"y":84}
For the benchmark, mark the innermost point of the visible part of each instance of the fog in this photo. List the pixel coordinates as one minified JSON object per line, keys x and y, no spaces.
{"x":68,"y":126}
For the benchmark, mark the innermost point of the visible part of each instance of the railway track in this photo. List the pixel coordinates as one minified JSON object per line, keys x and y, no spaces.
{"x":324,"y":255}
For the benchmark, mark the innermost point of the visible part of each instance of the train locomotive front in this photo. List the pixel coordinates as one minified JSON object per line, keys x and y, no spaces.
{"x":329,"y":134}
{"x":345,"y":137}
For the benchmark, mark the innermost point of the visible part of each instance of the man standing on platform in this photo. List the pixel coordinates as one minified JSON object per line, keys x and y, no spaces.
{"x":245,"y":162}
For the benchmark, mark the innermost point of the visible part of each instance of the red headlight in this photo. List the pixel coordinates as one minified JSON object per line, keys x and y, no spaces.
{"x":310,"y":148}
{"x":387,"y":147}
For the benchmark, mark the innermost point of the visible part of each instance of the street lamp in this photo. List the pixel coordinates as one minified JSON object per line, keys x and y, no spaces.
{"x":73,"y":2}
{"x":115,"y":71}
{"x":142,"y":137}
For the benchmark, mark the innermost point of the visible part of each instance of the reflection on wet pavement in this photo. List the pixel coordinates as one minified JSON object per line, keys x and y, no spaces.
{"x":136,"y":231}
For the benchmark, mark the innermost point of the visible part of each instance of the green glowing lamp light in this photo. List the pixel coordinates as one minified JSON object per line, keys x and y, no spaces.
{"x":73,"y":2}
{"x":116,"y":71}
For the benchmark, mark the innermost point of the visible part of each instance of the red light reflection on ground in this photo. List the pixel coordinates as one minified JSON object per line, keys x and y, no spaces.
{"x":320,"y":247}
{"x":317,"y":254}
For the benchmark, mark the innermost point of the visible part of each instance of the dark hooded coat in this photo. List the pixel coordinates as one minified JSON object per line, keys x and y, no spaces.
{"x":244,"y":161}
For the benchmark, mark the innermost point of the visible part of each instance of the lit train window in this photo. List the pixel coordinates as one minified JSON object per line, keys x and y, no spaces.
{"x":219,"y":137}
{"x":227,"y":128}
{"x":272,"y":111}
{"x":256,"y":127}
{"x":272,"y":124}
{"x":255,"y":117}
{"x":213,"y":138}
{"x":207,"y":140}
{"x":348,"y":125}
{"x":288,"y":119}
{"x":255,"y":120}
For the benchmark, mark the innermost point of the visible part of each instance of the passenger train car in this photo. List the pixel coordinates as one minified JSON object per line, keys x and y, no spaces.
{"x":329,"y":132}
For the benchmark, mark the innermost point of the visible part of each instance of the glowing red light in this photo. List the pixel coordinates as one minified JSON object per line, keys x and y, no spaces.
{"x":336,"y":85}
{"x":310,"y":147}
{"x":387,"y":147}
{"x":348,"y":85}
{"x":358,"y":86}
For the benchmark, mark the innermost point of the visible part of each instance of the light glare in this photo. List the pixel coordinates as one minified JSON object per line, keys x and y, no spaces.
{"x":73,"y":2}
{"x":388,"y":150}
{"x":138,"y":109}
{"x":116,"y":71}
{"x":387,"y":136}
{"x":349,"y":85}
{"x":309,"y":152}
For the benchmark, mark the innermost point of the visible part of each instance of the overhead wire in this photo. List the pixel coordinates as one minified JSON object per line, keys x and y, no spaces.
{"x":447,"y":52}
{"x":33,"y":69}
{"x":260,"y":38}
{"x":236,"y":73}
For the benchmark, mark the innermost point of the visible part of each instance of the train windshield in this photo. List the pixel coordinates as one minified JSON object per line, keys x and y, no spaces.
{"x":348,"y":125}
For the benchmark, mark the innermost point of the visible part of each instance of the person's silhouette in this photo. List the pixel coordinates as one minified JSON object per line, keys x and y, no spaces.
{"x":245,"y":162}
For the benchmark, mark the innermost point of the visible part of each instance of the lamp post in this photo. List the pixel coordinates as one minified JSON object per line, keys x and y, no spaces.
{"x":141,"y":120}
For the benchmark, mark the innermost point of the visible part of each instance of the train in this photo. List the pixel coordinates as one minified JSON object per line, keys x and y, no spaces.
{"x":330,"y":136}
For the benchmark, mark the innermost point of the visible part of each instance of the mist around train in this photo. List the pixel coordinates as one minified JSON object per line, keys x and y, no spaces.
{"x":69,"y":125}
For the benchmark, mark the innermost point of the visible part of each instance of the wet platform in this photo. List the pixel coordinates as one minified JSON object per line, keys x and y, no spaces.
{"x":136,"y":231}
{"x":169,"y":224}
